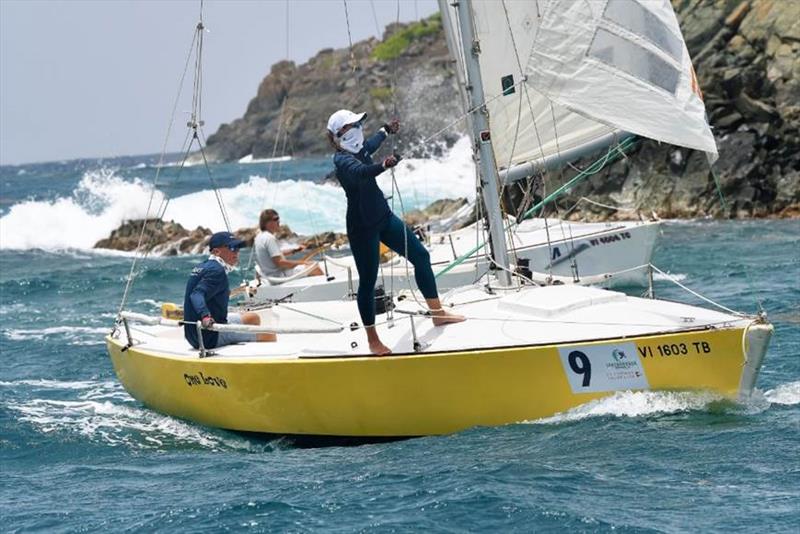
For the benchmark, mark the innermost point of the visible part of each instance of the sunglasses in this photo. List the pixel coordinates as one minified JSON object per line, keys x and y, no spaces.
{"x":344,"y":129}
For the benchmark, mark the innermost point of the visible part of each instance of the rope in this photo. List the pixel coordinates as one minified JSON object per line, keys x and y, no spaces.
{"x":611,"y":155}
{"x":287,"y":29}
{"x":375,"y":19}
{"x":698,"y":295}
{"x":718,"y":188}
{"x":530,"y":110}
{"x":195,"y":124}
{"x":131,"y":274}
{"x":349,"y":37}
{"x":423,"y":142}
{"x":600,"y":204}
{"x":214,"y":185}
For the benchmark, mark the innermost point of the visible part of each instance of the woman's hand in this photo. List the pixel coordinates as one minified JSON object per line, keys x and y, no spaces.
{"x":389,"y":162}
{"x":392,"y":127}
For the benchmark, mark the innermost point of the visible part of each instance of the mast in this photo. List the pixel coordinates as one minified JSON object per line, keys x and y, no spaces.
{"x":482,"y":141}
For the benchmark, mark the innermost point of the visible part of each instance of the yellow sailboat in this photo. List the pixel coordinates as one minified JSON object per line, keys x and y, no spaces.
{"x":525,"y":351}
{"x":526,"y":355}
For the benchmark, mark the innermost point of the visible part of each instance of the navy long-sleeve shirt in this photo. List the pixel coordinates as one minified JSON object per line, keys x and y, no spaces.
{"x":366,"y":205}
{"x":207,"y":293}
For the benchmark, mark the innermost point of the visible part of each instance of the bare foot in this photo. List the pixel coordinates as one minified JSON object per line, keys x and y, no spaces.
{"x":378,"y":348}
{"x":443,"y":318}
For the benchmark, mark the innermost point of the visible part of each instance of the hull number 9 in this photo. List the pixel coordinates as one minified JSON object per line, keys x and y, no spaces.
{"x":598,"y":368}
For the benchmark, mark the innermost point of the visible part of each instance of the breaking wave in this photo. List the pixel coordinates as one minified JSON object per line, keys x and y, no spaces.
{"x":103,"y":200}
{"x":98,"y":205}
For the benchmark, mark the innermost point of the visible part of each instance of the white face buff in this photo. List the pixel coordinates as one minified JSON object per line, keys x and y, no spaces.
{"x":228,"y":268}
{"x":352,"y":140}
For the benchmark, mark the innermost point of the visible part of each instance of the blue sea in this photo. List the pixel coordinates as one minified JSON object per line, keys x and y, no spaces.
{"x":78,"y":454}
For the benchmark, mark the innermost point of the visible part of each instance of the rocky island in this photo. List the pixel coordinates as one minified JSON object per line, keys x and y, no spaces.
{"x":746,"y":54}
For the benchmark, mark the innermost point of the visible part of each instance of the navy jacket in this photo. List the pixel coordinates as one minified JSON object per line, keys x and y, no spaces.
{"x":366,"y":205}
{"x":207,"y":292}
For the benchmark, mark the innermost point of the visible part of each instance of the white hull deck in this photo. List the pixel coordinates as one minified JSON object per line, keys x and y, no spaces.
{"x":531,"y":316}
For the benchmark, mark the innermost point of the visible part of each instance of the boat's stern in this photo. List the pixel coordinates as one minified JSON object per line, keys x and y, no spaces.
{"x":755,"y":342}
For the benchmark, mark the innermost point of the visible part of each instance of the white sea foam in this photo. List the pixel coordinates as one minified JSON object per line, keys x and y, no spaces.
{"x":150,"y":302}
{"x":787,"y":394}
{"x":310,"y":208}
{"x":104,"y":412}
{"x":53,"y":384}
{"x":635,"y":404}
{"x":109,"y":422}
{"x":74,"y":335}
{"x":102,"y":201}
{"x":669,"y":277}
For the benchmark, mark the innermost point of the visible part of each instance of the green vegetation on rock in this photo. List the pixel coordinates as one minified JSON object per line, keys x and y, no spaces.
{"x":381,"y":93}
{"x":396,"y":44}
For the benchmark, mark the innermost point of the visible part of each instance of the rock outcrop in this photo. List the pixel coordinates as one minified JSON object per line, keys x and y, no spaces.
{"x":407,"y":74}
{"x":164,"y":238}
{"x":168,"y":238}
{"x":747,"y":58}
{"x":746,"y":54}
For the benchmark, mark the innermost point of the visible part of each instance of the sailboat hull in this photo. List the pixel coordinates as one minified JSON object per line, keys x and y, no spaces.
{"x":434,"y":393}
{"x":609,"y":254}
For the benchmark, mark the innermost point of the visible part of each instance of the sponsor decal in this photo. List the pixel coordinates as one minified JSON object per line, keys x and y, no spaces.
{"x":598,"y":368}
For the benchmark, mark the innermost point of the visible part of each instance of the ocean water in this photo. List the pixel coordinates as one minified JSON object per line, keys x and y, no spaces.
{"x":77,"y":453}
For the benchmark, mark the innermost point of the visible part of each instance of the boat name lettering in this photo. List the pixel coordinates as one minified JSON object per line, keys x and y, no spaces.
{"x":675,"y":349}
{"x":610,"y":238}
{"x":200,"y":379}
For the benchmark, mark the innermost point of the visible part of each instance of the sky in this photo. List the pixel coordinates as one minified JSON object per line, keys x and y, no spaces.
{"x":98,"y":78}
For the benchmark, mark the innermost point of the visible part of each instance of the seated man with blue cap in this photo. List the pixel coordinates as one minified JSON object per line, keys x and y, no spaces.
{"x":207,"y":295}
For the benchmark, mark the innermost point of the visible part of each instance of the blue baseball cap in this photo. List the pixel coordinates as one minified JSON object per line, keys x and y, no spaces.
{"x":224,"y":239}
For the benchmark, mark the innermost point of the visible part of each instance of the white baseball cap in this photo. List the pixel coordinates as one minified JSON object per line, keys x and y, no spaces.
{"x":342,"y":118}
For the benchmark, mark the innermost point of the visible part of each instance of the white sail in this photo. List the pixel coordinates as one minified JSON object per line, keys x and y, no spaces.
{"x":563,"y":78}
{"x":525,"y":125}
{"x":622,"y":62}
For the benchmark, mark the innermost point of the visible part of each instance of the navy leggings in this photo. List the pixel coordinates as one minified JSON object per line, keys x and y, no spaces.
{"x":365,"y":245}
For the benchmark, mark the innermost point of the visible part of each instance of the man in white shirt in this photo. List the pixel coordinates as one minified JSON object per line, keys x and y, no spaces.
{"x":269,"y":257}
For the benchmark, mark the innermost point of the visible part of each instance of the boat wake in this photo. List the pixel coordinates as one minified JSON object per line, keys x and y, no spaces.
{"x":785,"y":394}
{"x":103,"y":412}
{"x":634,"y":404}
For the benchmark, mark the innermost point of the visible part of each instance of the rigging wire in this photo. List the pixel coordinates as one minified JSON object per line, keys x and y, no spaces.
{"x":375,"y":19}
{"x":349,"y":37}
{"x":217,"y":193}
{"x":282,"y":130}
{"x":132,"y":273}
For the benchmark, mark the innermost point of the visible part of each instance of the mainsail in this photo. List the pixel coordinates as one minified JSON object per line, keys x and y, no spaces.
{"x":564,"y":78}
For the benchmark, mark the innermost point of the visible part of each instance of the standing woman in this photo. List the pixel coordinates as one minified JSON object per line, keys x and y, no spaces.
{"x":370,"y":221}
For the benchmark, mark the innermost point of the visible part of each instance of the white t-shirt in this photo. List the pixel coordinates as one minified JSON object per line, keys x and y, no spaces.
{"x":266,"y":247}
